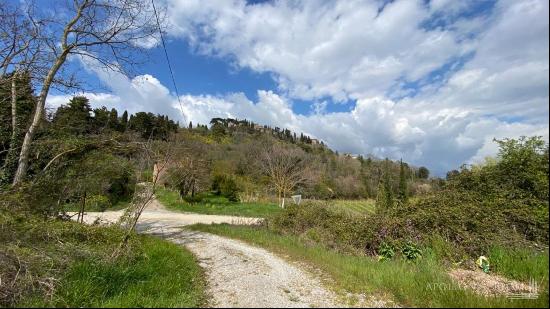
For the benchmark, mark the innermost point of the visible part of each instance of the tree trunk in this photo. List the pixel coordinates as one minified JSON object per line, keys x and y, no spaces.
{"x":82,"y":207}
{"x":11,"y":158}
{"x":14,"y":106}
{"x":23,"y":164}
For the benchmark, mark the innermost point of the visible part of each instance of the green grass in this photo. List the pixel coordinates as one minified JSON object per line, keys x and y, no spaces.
{"x":164,"y":275}
{"x":424,"y":283}
{"x":54,"y":263}
{"x":354,"y":207}
{"x":520,"y":264}
{"x":215,"y":205}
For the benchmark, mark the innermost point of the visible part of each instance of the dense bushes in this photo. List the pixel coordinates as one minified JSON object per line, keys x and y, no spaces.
{"x":461,"y":224}
{"x":315,"y":221}
{"x":226,"y":186}
{"x":502,"y":203}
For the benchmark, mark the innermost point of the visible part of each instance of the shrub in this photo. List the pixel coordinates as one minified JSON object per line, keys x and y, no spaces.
{"x":411,"y":252}
{"x":386,"y":251}
{"x":465,"y":223}
{"x":97,"y":203}
{"x":225,"y":185}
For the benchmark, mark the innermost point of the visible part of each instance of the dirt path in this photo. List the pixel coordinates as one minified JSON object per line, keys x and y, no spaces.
{"x":238,"y":275}
{"x":156,"y":212}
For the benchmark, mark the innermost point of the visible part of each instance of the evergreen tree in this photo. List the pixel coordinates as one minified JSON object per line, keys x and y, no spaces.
{"x":190,"y":125}
{"x":74,"y":118}
{"x":218,"y":131}
{"x":384,"y":198}
{"x":101,"y":119}
{"x":124,"y":121}
{"x":402,"y":196}
{"x":113,"y":120}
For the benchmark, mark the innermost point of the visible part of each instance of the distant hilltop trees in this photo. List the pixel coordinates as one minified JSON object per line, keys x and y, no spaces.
{"x":226,"y":125}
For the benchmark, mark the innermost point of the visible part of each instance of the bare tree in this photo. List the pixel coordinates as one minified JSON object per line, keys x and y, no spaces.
{"x":108,"y":32}
{"x":286,"y":167}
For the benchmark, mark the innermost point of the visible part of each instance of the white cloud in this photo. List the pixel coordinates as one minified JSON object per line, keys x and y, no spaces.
{"x":347,"y":49}
{"x":343,"y":49}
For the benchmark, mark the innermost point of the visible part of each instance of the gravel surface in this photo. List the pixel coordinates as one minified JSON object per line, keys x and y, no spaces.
{"x":238,"y":275}
{"x":490,"y":284}
{"x":156,"y":212}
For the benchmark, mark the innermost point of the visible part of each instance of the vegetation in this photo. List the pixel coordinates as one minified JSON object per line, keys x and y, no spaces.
{"x":373,"y":224}
{"x":361,"y":207}
{"x":210,"y":204}
{"x":405,"y":246}
{"x":56,"y":263}
{"x":423,"y":283}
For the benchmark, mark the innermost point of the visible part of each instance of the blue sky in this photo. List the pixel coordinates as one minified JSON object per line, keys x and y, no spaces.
{"x":432,"y":82}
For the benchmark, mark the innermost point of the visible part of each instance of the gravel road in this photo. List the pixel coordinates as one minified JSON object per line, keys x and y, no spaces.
{"x":238,"y":275}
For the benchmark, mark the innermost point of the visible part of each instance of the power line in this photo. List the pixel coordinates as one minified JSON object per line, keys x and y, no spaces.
{"x":167,"y":58}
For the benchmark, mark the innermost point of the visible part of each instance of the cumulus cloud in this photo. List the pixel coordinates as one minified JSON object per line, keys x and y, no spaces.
{"x":343,"y":49}
{"x":474,"y":78}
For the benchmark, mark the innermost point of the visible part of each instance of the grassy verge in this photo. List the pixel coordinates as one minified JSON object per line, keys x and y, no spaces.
{"x":215,"y":205}
{"x":424,"y":283}
{"x":520,"y":264}
{"x":64,"y":264}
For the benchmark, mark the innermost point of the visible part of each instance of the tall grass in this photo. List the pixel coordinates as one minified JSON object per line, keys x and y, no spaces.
{"x":424,"y":283}
{"x":215,"y":205}
{"x":55,"y":263}
{"x":164,"y":275}
{"x":520,"y":264}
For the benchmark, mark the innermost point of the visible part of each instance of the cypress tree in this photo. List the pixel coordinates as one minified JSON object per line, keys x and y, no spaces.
{"x":124,"y":121}
{"x":403,"y":194}
{"x":384,"y":198}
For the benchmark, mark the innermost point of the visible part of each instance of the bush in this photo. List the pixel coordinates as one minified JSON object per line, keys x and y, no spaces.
{"x":226,"y":186}
{"x":97,"y":203}
{"x":467,"y":224}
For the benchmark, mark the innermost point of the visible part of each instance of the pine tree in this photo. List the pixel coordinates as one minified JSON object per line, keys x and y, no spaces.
{"x":190,"y":125}
{"x":74,"y":117}
{"x":101,"y":119}
{"x":113,"y":120}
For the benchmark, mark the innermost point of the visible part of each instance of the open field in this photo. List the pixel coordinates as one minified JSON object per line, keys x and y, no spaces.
{"x":424,"y":283}
{"x":355,"y":207}
{"x":215,"y":205}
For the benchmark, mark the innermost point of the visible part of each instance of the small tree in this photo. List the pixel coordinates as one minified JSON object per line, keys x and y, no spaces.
{"x":113,"y":120}
{"x":403,"y":194}
{"x":286,"y":168}
{"x":384,"y":198}
{"x":423,"y":173}
{"x":124,"y":121}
